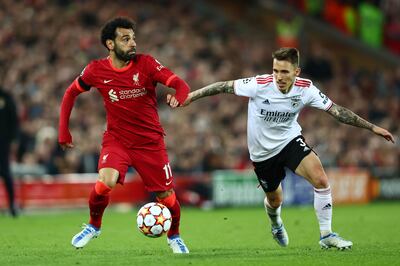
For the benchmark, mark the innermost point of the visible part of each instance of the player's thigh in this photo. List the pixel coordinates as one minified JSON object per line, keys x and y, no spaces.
{"x":154,"y":169}
{"x":294,"y":152}
{"x":113,"y":165}
{"x":270,"y":173}
{"x":311,"y":169}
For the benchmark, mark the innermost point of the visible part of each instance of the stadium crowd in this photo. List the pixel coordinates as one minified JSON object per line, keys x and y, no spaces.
{"x":47,"y":43}
{"x":374,"y":22}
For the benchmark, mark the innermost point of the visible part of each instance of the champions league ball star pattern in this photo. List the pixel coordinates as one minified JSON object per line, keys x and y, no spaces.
{"x":154,"y":219}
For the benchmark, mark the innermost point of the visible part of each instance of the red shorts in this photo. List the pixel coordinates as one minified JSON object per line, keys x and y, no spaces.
{"x":152,"y":165}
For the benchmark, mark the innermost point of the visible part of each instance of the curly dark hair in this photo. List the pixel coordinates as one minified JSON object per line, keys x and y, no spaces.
{"x":108,"y":30}
{"x":287,"y":54}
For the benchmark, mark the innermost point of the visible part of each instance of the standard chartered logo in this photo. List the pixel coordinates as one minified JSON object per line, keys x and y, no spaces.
{"x":133,"y":93}
{"x":113,"y":96}
{"x":126,"y":94}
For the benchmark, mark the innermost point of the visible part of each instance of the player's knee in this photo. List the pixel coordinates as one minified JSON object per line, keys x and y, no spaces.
{"x":109,"y":177}
{"x":109,"y":182}
{"x":273,"y":201}
{"x":321,"y":182}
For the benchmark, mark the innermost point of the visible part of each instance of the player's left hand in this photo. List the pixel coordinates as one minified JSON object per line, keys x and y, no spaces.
{"x":172,"y":101}
{"x":66,"y":145}
{"x":383,"y":132}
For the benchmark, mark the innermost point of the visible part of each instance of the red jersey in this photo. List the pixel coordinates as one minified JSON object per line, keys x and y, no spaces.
{"x":129,"y":97}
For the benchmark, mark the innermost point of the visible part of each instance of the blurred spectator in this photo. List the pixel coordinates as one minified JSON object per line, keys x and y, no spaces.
{"x":371,"y":24}
{"x":375,"y":21}
{"x":314,"y":7}
{"x":288,"y":30}
{"x":392,"y":34}
{"x":318,"y":65}
{"x":342,"y":15}
{"x":390,"y":7}
{"x":8,"y":133}
{"x":350,"y":18}
{"x":334,"y":13}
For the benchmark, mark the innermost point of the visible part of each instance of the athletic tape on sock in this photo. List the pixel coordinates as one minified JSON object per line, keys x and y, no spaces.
{"x":168,"y":201}
{"x":101,"y":188}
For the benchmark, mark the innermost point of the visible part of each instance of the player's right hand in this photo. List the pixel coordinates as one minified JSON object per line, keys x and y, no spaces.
{"x":383,"y":133}
{"x":66,"y":145}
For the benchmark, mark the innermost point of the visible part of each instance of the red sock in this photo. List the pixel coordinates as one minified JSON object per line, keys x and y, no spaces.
{"x":173,"y":205}
{"x":98,"y":201}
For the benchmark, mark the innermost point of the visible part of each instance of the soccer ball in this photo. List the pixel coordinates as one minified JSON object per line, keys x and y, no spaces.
{"x":154,"y":219}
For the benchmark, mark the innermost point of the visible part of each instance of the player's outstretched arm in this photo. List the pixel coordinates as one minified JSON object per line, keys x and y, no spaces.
{"x":346,"y":116}
{"x":212,"y":89}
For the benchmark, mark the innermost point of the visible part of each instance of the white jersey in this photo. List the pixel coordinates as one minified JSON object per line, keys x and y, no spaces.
{"x":272,"y":115}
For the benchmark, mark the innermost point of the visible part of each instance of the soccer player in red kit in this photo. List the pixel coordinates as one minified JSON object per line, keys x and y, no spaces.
{"x":134,"y":135}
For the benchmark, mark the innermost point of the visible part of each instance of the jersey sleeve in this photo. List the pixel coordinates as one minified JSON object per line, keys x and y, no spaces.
{"x":158,"y":72}
{"x":246,"y":87}
{"x":315,"y":98}
{"x":86,"y":79}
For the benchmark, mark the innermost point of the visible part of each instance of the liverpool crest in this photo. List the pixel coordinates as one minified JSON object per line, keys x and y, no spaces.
{"x":136,"y":79}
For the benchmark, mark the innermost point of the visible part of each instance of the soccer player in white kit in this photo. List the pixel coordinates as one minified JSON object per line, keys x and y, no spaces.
{"x":275,"y":140}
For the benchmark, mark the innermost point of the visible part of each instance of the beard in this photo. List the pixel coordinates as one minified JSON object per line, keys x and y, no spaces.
{"x":124,"y":56}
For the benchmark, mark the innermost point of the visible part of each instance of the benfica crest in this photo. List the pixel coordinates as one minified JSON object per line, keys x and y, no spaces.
{"x":295,"y":100}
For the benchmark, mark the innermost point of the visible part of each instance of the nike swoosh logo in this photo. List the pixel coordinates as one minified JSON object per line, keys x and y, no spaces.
{"x":168,"y":183}
{"x":107,"y":81}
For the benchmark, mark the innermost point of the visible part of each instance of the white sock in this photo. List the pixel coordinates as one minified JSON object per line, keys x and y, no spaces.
{"x":323,"y":209}
{"x":273,"y":214}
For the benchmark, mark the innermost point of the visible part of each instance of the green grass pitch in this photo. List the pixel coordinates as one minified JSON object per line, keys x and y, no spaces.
{"x":237,"y":236}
